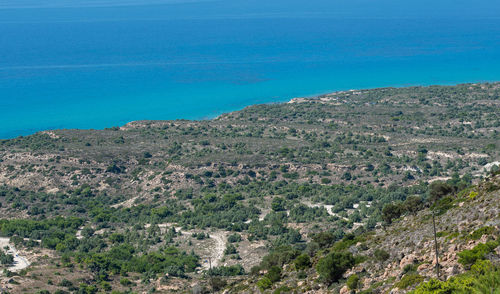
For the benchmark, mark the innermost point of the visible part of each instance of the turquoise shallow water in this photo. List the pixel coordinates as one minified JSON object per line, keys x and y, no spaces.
{"x":96,"y":64}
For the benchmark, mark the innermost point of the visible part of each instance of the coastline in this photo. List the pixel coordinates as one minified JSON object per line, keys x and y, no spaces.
{"x":322,"y":97}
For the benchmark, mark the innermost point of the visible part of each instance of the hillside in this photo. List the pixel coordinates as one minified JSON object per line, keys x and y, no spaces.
{"x":153,"y":205}
{"x":400,"y":257}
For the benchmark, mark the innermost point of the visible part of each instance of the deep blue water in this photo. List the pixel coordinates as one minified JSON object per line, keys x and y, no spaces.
{"x":102,"y":63}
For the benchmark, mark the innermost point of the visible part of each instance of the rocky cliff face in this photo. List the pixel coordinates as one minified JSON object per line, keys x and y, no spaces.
{"x":471,"y":218}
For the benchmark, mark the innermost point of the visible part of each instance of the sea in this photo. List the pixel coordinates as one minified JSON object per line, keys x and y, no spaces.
{"x":93,"y":64}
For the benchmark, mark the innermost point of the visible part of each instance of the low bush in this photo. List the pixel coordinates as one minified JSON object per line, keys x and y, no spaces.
{"x":481,"y":231}
{"x":302,"y":262}
{"x":409,"y":280}
{"x":264,"y":283}
{"x":333,"y":266}
{"x":353,"y":282}
{"x":274,"y":274}
{"x":227,"y":271}
{"x":469,"y":257}
{"x":381,"y":255}
{"x":234,"y":238}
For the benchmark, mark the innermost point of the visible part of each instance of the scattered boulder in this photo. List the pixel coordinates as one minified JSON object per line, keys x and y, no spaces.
{"x":424,"y":267}
{"x":345,"y":290}
{"x":408,"y":259}
{"x":453,"y":270}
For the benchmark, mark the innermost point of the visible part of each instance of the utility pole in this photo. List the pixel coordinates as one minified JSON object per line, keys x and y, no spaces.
{"x":210,"y":274}
{"x":436,"y":245}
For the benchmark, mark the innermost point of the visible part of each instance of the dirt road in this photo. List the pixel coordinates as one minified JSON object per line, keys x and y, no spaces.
{"x":20,"y":262}
{"x":217,"y":252}
{"x":327,"y":207}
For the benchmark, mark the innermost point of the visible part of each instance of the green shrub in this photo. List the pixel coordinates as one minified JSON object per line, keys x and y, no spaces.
{"x":439,"y":189}
{"x":278,"y":204}
{"x":324,"y":239}
{"x":274,"y":274}
{"x":303,"y":261}
{"x":326,"y":181}
{"x":442,"y":234}
{"x":117,"y":238}
{"x":435,"y":286}
{"x":234,"y":238}
{"x":482,"y":231}
{"x":483,"y":278}
{"x":302,"y":275}
{"x":473,"y":194}
{"x":469,"y":257}
{"x":332,"y":267}
{"x":87,"y":289}
{"x":218,"y":283}
{"x":227,"y":271}
{"x":353,"y":282}
{"x":381,"y":255}
{"x":360,"y":259}
{"x":66,"y":283}
{"x":413,"y":204}
{"x":347,"y":241}
{"x":5,"y":258}
{"x":279,"y":256}
{"x":264,"y":283}
{"x":106,"y":286}
{"x":460,"y":284}
{"x":125,"y":282}
{"x":230,"y":249}
{"x":409,"y":280}
{"x":488,"y":282}
{"x":390,"y":212}
{"x":282,"y":289}
{"x":409,"y":268}
{"x":442,"y":205}
{"x":254,"y":270}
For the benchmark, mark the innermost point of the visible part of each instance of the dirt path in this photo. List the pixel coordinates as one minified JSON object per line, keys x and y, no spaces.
{"x":217,"y":252}
{"x":19,"y":261}
{"x":264,"y":213}
{"x":126,"y":204}
{"x":79,"y":235}
{"x":327,"y":207}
